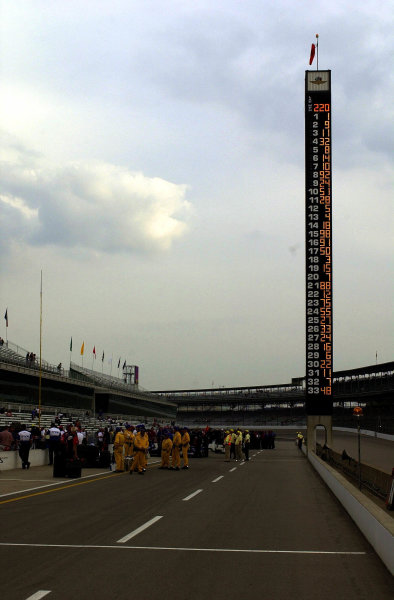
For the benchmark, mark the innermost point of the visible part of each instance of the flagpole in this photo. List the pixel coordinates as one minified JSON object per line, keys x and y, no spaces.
{"x":317,"y":51}
{"x":71,"y":349}
{"x":39,"y":380}
{"x":6,"y":326}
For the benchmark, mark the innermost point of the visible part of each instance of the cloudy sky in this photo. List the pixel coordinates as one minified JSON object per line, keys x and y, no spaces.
{"x":152,"y":166}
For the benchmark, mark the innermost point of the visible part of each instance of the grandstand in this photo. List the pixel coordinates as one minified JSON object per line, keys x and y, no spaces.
{"x":76,"y":388}
{"x":81,"y":389}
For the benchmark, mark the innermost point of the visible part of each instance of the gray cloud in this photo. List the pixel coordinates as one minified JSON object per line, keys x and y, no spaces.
{"x":103,"y":207}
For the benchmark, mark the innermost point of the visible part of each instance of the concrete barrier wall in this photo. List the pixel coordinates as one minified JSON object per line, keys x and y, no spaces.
{"x":11,"y":459}
{"x":376,"y":525}
{"x":37,"y":458}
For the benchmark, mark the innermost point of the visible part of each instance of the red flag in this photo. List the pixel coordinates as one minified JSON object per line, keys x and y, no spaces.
{"x":94,"y":351}
{"x":312,"y":56}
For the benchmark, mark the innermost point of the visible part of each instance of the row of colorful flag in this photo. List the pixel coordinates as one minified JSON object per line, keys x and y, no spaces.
{"x":94,"y":353}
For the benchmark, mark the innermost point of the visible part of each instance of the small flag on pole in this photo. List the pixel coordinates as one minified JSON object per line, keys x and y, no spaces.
{"x":94,"y":351}
{"x":124,"y":365}
{"x":71,"y":345}
{"x":6,"y":317}
{"x":102,"y":358}
{"x":82,"y":348}
{"x":312,"y":56}
{"x":118,"y":363}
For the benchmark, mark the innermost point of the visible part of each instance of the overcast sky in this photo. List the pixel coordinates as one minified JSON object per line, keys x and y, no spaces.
{"x":152,"y":166}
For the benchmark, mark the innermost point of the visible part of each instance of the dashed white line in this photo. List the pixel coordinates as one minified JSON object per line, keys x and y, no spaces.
{"x":217,"y":478}
{"x":39,"y":594}
{"x":233,"y":469}
{"x":191,"y":495}
{"x":128,"y":537}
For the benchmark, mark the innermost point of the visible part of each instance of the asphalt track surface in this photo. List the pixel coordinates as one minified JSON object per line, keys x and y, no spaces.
{"x":267,"y":528}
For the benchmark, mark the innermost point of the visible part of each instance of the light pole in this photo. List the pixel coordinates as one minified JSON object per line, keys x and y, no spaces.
{"x":358,"y":413}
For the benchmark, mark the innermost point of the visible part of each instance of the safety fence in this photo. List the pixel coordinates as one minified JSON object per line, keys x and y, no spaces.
{"x":376,"y":481}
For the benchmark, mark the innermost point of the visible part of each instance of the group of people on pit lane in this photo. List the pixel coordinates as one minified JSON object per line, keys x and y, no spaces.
{"x":236,"y":445}
{"x":131,"y":449}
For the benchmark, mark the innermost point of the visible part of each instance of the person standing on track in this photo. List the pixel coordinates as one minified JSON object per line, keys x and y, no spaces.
{"x":238,"y":446}
{"x":55,"y":436}
{"x":128,"y":441}
{"x":232,"y":447}
{"x":176,"y":444}
{"x":185,"y":447}
{"x":227,"y":446}
{"x":118,"y":450}
{"x":166,"y":447}
{"x":141,"y":445}
{"x":24,"y":438}
{"x":246,"y":444}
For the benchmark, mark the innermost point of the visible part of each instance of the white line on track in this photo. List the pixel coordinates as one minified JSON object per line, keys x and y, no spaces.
{"x":233,"y":469}
{"x":191,"y":495}
{"x":258,"y":551}
{"x":241,"y":464}
{"x":39,"y":594}
{"x":63,"y":481}
{"x":217,"y":478}
{"x":128,"y":537}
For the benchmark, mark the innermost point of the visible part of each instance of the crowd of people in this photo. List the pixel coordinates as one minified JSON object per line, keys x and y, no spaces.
{"x":131,"y":444}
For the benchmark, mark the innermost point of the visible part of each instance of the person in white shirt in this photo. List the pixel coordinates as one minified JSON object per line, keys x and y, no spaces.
{"x":24,"y":438}
{"x":55,"y":436}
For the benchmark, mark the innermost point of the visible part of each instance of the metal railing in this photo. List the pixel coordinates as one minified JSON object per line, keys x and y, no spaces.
{"x":376,"y":481}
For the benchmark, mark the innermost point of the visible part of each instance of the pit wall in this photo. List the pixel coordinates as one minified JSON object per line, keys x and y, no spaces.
{"x":11,"y":459}
{"x":37,"y":458}
{"x":375,"y":524}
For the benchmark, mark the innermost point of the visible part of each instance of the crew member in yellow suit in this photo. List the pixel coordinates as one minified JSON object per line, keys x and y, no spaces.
{"x":128,"y":446}
{"x":128,"y":441}
{"x":176,"y":444}
{"x":227,"y":446}
{"x":232,"y":447}
{"x":118,"y":450}
{"x":185,"y":447}
{"x":238,"y":446}
{"x":166,"y":447}
{"x":141,"y":445}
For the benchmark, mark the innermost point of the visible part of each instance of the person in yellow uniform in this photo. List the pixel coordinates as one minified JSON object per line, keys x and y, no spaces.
{"x":128,"y":446}
{"x":141,"y":445}
{"x":118,"y":450}
{"x":227,"y":446}
{"x":166,"y":447}
{"x":238,"y":446}
{"x":185,"y":447}
{"x":176,"y":444}
{"x":232,"y":447}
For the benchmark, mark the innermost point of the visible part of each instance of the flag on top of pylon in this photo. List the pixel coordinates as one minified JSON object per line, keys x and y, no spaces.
{"x":102,"y":358}
{"x":71,"y":344}
{"x":312,"y":55}
{"x":118,"y":363}
{"x":6,"y":317}
{"x":82,"y":348}
{"x":94,"y":351}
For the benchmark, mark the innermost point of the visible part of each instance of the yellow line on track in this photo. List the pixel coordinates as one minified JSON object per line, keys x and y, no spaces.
{"x":64,"y":487}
